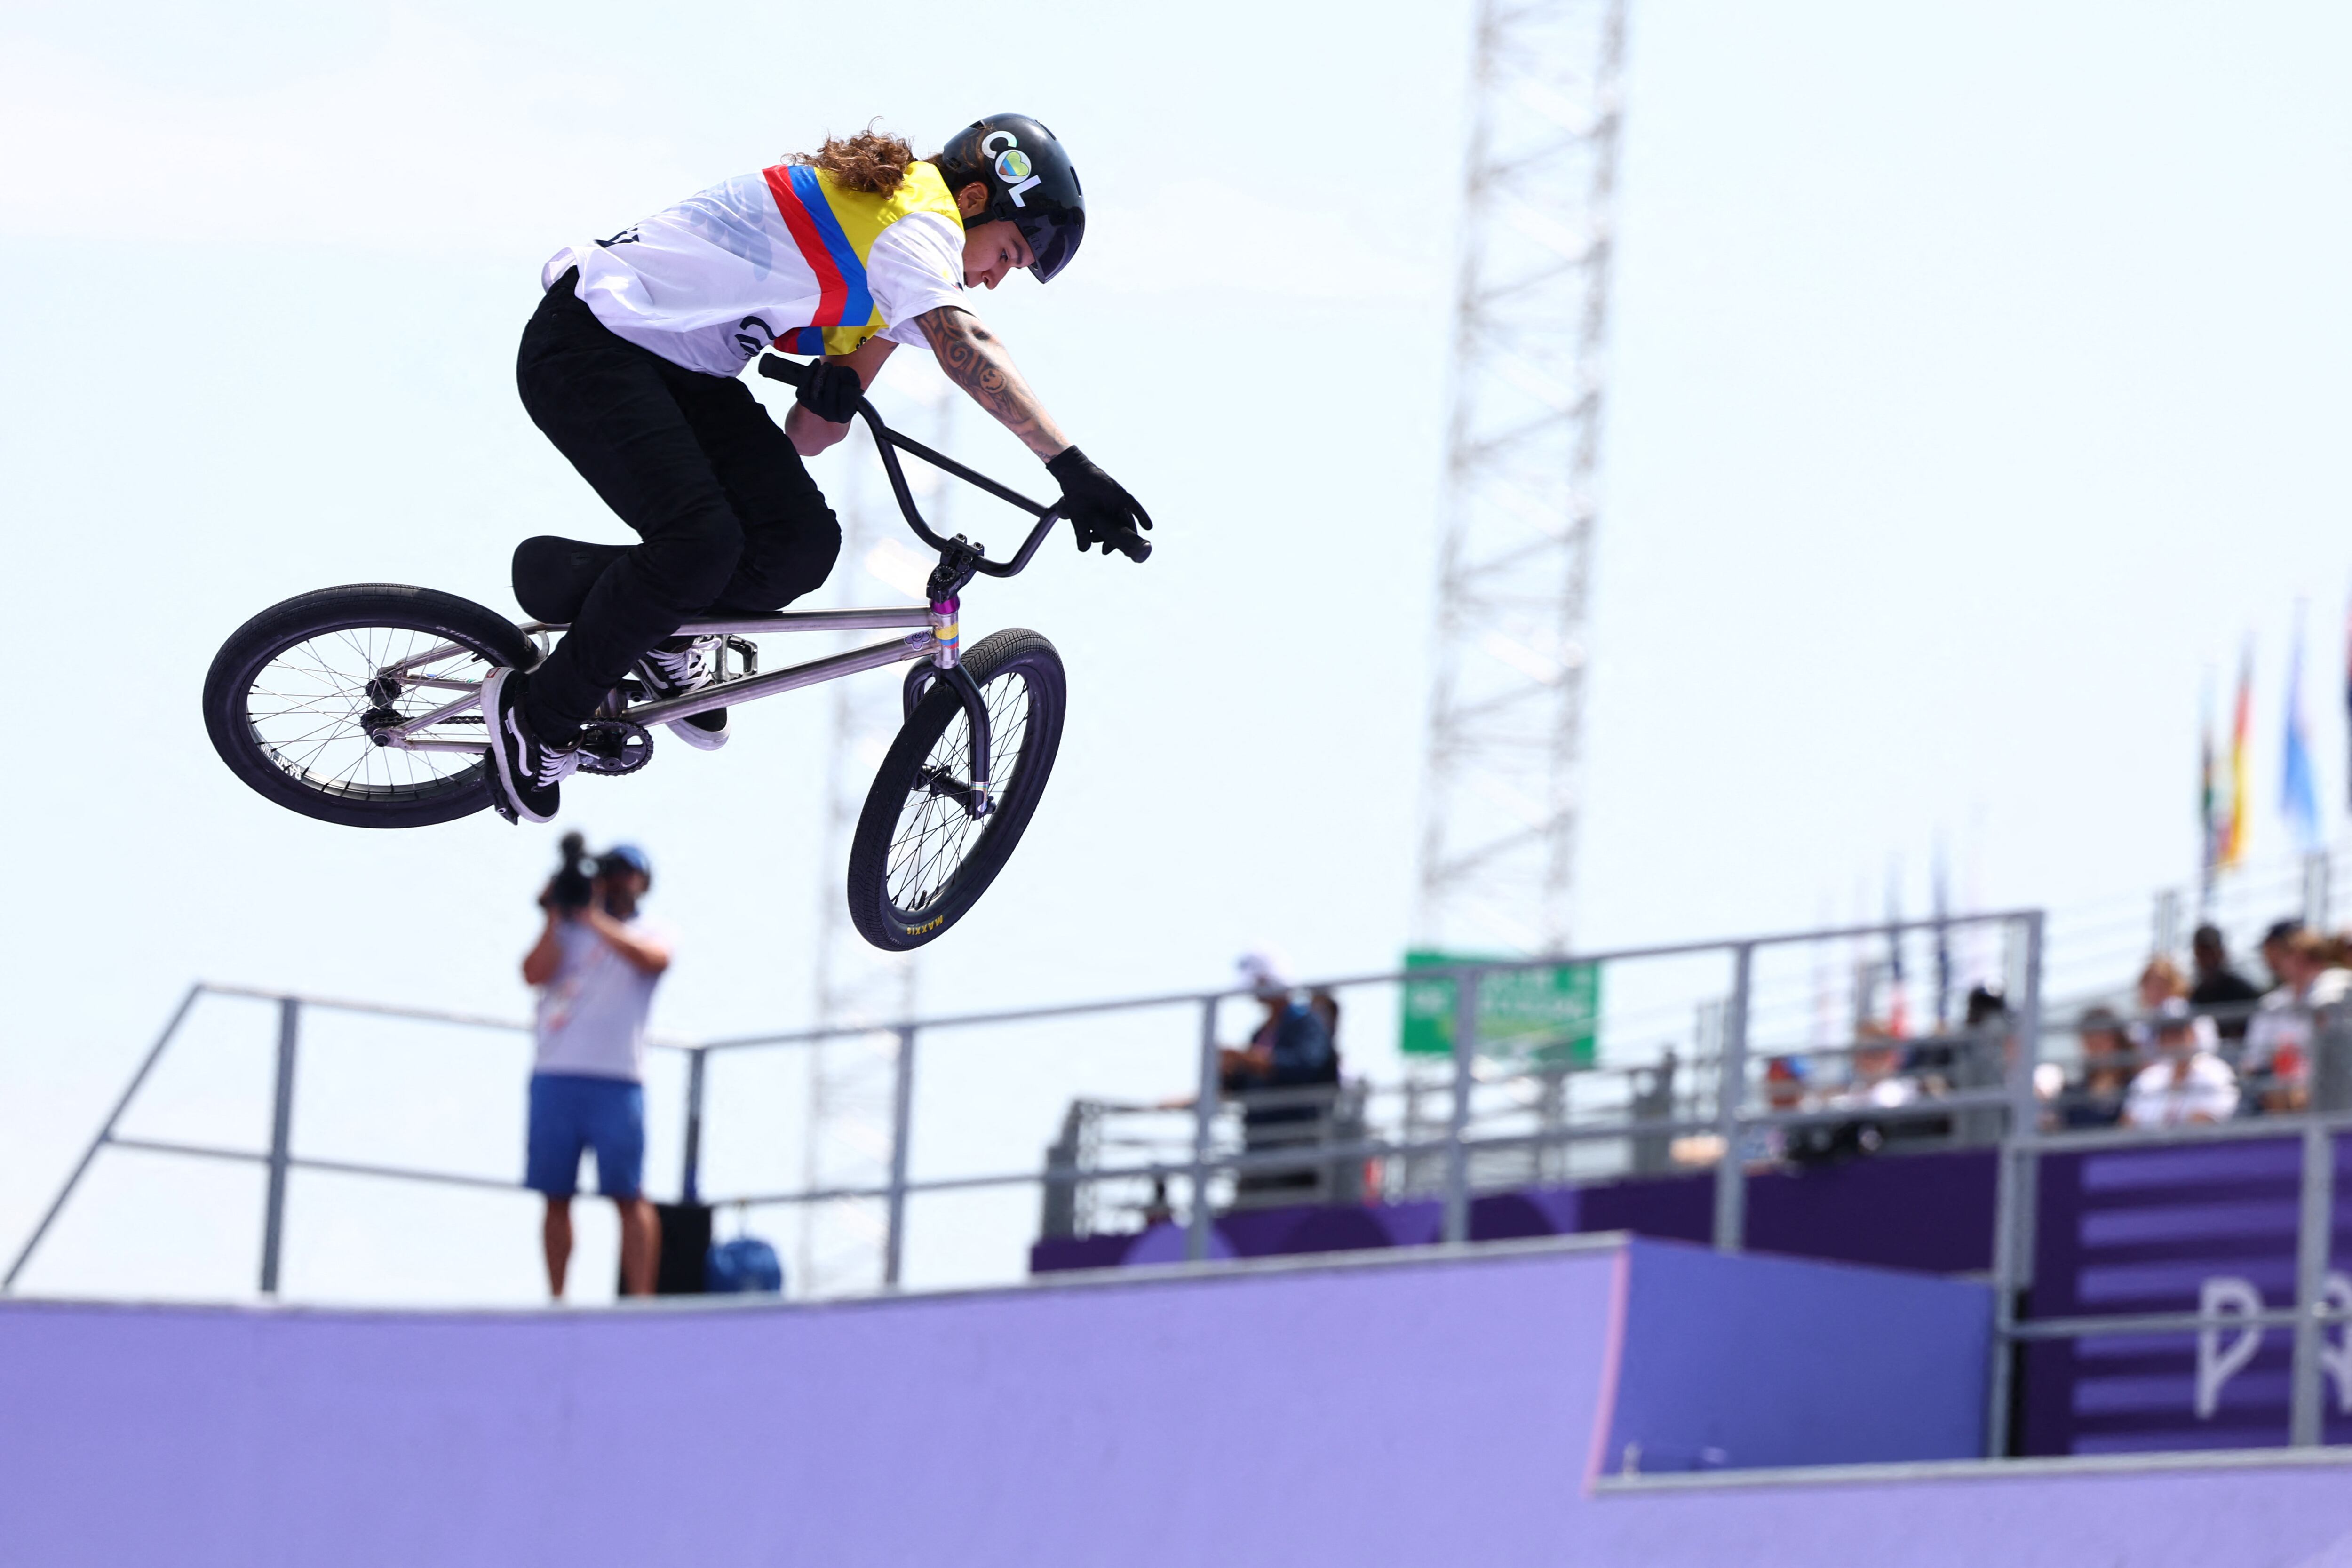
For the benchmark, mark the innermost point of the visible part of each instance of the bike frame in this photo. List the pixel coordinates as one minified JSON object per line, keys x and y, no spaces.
{"x":939,"y":641}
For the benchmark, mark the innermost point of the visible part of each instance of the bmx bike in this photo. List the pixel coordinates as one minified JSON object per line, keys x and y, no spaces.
{"x":360,"y":705}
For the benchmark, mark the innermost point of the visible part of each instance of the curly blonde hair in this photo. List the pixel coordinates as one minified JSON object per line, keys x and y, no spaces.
{"x":871,"y":161}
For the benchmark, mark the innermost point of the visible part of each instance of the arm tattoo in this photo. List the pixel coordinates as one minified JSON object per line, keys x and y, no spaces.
{"x":975,"y":359}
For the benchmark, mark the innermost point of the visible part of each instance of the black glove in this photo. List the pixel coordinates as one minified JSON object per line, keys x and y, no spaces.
{"x":830,"y":391}
{"x":1097,"y":505}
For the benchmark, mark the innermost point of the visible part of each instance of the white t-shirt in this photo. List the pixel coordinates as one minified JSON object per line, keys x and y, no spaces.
{"x":2278,"y":1040}
{"x":2202,"y":1089}
{"x":709,"y":283}
{"x":591,"y":1015}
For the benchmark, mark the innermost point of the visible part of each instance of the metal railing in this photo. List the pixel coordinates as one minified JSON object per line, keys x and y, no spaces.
{"x":1744,"y":1021}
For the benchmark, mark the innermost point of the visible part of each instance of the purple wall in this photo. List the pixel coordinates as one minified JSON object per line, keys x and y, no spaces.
{"x":1335,"y":1414}
{"x":1931,"y":1212}
{"x":2283,"y":1517}
{"x":1734,"y":1362}
{"x":1421,"y":1407}
{"x":2158,"y":1230}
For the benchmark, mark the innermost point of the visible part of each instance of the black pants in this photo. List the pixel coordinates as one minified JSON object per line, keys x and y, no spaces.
{"x":730,"y":519}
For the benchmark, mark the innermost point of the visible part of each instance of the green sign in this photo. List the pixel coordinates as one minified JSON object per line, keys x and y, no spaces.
{"x":1528,"y":1015}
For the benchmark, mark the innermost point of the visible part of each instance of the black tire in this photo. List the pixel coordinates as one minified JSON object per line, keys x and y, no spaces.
{"x":920,"y":860}
{"x":305,"y":748}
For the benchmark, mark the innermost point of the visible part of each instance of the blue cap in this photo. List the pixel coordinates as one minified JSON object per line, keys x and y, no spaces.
{"x":632,"y":857}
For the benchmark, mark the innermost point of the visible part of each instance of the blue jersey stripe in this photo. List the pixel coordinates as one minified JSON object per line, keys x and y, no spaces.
{"x":858,"y":307}
{"x":802,"y":341}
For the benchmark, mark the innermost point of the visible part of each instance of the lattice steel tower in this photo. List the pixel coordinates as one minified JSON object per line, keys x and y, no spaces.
{"x":1499,"y":804}
{"x":851,"y":1078}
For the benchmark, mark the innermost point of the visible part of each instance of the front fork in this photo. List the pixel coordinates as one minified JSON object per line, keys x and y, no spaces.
{"x":947,"y":666}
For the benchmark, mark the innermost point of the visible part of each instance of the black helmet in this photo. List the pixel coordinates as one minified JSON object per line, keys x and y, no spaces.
{"x":1030,"y":182}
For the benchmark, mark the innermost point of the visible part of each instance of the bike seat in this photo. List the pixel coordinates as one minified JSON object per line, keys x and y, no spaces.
{"x":552,"y":575}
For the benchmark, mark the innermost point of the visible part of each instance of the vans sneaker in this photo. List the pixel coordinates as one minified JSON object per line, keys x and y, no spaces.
{"x":526,"y":773}
{"x":676,"y":667}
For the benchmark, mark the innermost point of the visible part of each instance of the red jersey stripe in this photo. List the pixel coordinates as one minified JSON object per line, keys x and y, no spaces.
{"x":832,"y":290}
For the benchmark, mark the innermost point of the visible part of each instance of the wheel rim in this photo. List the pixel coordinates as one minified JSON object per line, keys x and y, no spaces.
{"x":935,"y":835}
{"x":308,"y":709}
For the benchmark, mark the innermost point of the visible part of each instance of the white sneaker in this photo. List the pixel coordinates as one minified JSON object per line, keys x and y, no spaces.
{"x":676,"y":667}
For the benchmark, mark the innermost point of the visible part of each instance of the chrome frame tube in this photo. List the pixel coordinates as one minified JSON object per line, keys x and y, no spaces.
{"x":869,"y":618}
{"x":914,"y":645}
{"x":449,"y":710}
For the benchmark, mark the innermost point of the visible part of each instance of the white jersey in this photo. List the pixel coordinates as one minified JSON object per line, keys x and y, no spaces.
{"x":784,"y":257}
{"x":592,"y":1014}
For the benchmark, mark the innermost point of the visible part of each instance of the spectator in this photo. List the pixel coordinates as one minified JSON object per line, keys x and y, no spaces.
{"x":2279,"y":1042}
{"x":1292,"y":1045}
{"x":2187,"y":1083}
{"x":1981,"y":1063}
{"x":2096,"y":1097}
{"x":2160,"y":982}
{"x":595,"y":965}
{"x":1291,"y":1050}
{"x":2223,"y":994}
{"x":2273,"y":948}
{"x":1877,"y":1082}
{"x":1326,"y":1007}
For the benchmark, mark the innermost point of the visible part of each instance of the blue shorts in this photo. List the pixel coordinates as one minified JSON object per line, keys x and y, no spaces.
{"x":571,"y":1111}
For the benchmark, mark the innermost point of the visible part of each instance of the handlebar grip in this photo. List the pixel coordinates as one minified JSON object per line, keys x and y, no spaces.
{"x":1127,"y":542}
{"x":790,"y":371}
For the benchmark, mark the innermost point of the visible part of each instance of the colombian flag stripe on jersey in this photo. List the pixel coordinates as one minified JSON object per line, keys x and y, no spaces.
{"x":832,"y":291}
{"x":802,"y":341}
{"x":854,"y":306}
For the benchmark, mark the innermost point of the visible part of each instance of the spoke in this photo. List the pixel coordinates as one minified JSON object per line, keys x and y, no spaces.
{"x":935,"y":835}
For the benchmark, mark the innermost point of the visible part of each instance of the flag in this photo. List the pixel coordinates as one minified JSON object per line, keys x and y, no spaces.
{"x":1943,"y":946}
{"x":2209,"y":829}
{"x":2348,"y":686}
{"x":2298,"y":794}
{"x":2233,"y":842}
{"x":1898,"y":1020}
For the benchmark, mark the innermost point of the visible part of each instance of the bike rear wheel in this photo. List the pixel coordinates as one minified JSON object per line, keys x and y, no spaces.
{"x":293,"y":695}
{"x":920,"y":859}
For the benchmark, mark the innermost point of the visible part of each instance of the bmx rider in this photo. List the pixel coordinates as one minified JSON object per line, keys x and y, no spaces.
{"x":632,"y":366}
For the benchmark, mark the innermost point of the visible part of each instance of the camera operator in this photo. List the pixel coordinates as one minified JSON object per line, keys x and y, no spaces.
{"x":595,"y":965}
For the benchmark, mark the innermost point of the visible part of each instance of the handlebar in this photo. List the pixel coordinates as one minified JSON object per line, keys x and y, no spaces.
{"x":1125,"y":541}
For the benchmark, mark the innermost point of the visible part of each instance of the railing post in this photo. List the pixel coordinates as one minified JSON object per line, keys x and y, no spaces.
{"x":2313,"y":1228}
{"x":105,"y":1136}
{"x":689,"y":1183}
{"x":1457,"y":1120}
{"x":902,"y":1122}
{"x":1730,"y":1100}
{"x":1204,"y":1130}
{"x":281,"y":1130}
{"x":2014,"y":1173}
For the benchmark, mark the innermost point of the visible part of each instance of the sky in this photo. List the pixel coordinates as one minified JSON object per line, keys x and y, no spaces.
{"x":1977,"y":380}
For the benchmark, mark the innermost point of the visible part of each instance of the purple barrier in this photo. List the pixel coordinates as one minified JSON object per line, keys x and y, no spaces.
{"x":1429,"y":1406}
{"x":1736,"y":1362}
{"x":1931,"y":1212}
{"x":2293,"y":1516}
{"x":1426,"y":1411}
{"x":2169,"y":1230}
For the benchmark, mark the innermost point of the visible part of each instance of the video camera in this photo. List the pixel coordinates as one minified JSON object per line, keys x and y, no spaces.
{"x":575,"y":877}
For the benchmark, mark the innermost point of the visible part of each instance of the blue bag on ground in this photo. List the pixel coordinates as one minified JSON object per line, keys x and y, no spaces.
{"x":745,"y":1264}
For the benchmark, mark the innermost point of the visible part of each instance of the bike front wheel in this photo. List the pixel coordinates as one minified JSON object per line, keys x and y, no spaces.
{"x":298,"y":695}
{"x":920,"y":859}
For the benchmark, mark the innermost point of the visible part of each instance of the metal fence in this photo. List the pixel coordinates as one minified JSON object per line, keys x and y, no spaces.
{"x":1674,"y":1070}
